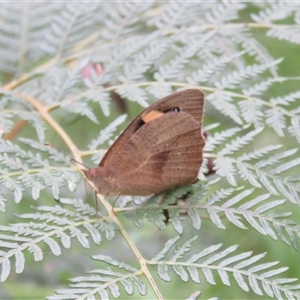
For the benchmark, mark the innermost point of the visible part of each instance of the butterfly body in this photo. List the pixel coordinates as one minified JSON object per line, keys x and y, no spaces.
{"x":161,"y":149}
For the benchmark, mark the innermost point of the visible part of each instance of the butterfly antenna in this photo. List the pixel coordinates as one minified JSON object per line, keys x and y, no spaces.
{"x":51,"y":146}
{"x":77,"y":162}
{"x":86,"y":190}
{"x":96,"y":206}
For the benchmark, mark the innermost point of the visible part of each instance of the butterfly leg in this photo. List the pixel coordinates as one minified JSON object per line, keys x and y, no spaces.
{"x":113,"y":205}
{"x":96,"y":206}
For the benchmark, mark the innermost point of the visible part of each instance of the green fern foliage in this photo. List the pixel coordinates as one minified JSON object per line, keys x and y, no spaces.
{"x":104,"y":282}
{"x":74,"y":74}
{"x":224,"y":263}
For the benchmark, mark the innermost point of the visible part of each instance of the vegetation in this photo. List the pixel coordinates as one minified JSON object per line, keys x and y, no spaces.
{"x":71,"y":72}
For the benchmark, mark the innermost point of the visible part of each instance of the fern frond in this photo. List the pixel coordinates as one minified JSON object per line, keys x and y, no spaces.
{"x":240,"y":142}
{"x":98,"y":95}
{"x":152,"y":209}
{"x":106,"y":133}
{"x":113,"y":58}
{"x":122,"y":19}
{"x":224,"y":103}
{"x":175,"y":14}
{"x":258,"y":88}
{"x":211,"y":67}
{"x":220,"y":137}
{"x":67,"y":29}
{"x":244,"y":38}
{"x":275,"y":119}
{"x":24,"y":168}
{"x":255,"y":213}
{"x":252,"y":167}
{"x":160,"y":89}
{"x":294,"y":129}
{"x":235,"y":78}
{"x":224,"y":12}
{"x":46,"y":226}
{"x":252,"y":112}
{"x":274,"y":11}
{"x":133,"y":93}
{"x":290,"y":34}
{"x":22,"y":29}
{"x":135,"y":70}
{"x":104,"y":282}
{"x":172,"y":69}
{"x":224,"y":166}
{"x":195,"y":295}
{"x":2,"y":203}
{"x":261,"y":278}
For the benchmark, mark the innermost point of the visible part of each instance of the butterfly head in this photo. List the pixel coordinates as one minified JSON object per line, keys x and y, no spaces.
{"x":101,"y":180}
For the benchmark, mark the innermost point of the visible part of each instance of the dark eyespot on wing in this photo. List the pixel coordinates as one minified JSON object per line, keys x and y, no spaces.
{"x":172,"y":109}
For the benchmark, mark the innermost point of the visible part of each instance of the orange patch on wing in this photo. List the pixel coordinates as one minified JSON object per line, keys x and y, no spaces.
{"x":153,"y":114}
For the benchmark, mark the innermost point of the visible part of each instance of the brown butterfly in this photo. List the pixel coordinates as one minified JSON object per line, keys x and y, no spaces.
{"x":161,"y":149}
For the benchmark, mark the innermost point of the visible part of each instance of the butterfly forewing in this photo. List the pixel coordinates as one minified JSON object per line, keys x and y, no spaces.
{"x":190,"y":101}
